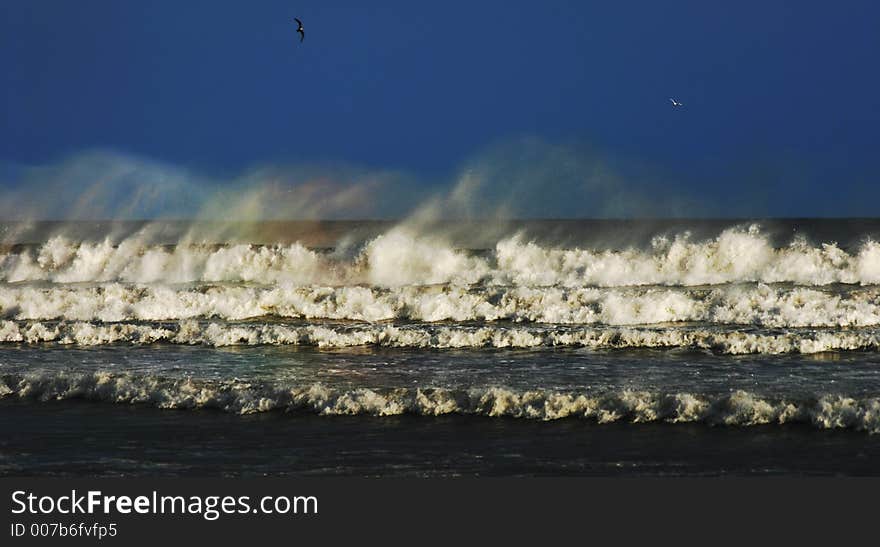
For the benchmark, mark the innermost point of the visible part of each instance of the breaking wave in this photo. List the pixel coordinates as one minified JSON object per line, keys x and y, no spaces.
{"x":415,"y":336}
{"x":739,"y":408}
{"x":733,"y":294}
{"x":399,"y":258}
{"x":758,"y":305}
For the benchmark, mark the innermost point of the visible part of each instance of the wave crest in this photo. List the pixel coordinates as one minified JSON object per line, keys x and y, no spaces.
{"x":399,"y":257}
{"x":757,"y":305}
{"x":190,"y":332}
{"x":740,"y":408}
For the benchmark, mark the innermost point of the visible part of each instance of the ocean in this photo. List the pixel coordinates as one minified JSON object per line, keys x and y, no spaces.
{"x":473,"y":348}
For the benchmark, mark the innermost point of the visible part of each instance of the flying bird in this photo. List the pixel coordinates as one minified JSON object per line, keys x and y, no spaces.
{"x":675,"y":103}
{"x":302,"y":33}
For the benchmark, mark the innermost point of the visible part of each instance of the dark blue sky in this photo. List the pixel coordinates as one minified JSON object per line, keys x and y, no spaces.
{"x":778,"y":95}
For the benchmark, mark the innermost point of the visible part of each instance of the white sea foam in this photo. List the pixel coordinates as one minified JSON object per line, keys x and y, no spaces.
{"x":63,"y":261}
{"x":402,"y":258}
{"x":758,"y":305}
{"x":99,"y":293}
{"x":740,"y":408}
{"x":190,"y":332}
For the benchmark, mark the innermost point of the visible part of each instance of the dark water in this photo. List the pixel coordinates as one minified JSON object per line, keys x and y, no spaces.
{"x":89,"y":439}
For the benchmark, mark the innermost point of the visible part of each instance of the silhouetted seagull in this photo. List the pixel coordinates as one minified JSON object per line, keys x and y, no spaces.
{"x":302,"y":33}
{"x":675,"y":103}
